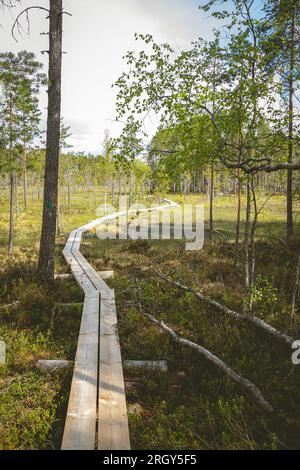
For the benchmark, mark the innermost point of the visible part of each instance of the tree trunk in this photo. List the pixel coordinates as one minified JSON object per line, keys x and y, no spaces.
{"x":130,"y":189}
{"x":12,"y":182}
{"x":32,"y":188}
{"x":238,"y":218}
{"x":25,"y":184}
{"x":211,"y":202}
{"x":69,"y":192}
{"x":11,"y":213}
{"x":246,"y":241}
{"x":16,"y":194}
{"x":58,"y":224}
{"x":120,"y":184}
{"x":47,"y":246}
{"x":289,"y":224}
{"x":113,"y":192}
{"x":142,"y":190}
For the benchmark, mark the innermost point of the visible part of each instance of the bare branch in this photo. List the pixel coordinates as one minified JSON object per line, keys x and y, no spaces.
{"x":17,"y":24}
{"x":255,"y":169}
{"x":255,"y":392}
{"x":249,"y":318}
{"x":13,"y":305}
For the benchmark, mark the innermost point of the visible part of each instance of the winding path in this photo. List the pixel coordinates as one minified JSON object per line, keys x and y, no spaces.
{"x":97,"y":412}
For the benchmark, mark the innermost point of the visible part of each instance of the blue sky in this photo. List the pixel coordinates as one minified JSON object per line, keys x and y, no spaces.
{"x":95,"y":39}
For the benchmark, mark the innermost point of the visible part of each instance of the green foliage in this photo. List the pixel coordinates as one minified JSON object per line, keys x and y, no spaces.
{"x":20,"y":115}
{"x":31,"y":401}
{"x":27,"y":410}
{"x":194,"y":406}
{"x":263,"y":295}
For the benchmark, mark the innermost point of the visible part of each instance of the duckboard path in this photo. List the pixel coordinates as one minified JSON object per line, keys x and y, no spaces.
{"x":97,"y":412}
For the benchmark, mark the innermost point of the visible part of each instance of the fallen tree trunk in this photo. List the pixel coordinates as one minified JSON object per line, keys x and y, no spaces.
{"x":152,"y":365}
{"x":249,"y":318}
{"x":68,"y":305}
{"x":262,"y":402}
{"x":14,"y":304}
{"x":53,"y":365}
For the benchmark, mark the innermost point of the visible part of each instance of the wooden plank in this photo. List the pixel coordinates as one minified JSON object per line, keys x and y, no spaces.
{"x":98,"y":372}
{"x":99,"y":283}
{"x":113,"y":431}
{"x":80,"y":426}
{"x":108,"y":316}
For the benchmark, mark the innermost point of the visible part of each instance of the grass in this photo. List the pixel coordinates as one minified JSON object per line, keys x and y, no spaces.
{"x":32,"y":404}
{"x":193,"y":406}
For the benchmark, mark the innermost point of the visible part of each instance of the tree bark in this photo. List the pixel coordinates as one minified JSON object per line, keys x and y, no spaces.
{"x":58,"y":224}
{"x":12,"y":182}
{"x":289,"y":223}
{"x":211,"y":202}
{"x":130,"y":189}
{"x":16,"y":194}
{"x":120,"y":185}
{"x":246,"y":239}
{"x":113,"y":192}
{"x":11,"y":212}
{"x":238,"y":217}
{"x":47,"y":246}
{"x":25,"y":184}
{"x":69,"y":192}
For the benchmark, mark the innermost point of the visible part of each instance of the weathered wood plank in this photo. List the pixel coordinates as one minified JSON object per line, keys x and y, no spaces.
{"x":97,"y":388}
{"x":113,"y":431}
{"x":99,"y":283}
{"x":80,"y":426}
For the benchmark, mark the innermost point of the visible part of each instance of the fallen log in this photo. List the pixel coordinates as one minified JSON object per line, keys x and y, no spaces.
{"x":153,"y":365}
{"x":63,"y":277}
{"x":14,"y":304}
{"x":53,"y":365}
{"x":255,"y":392}
{"x":2,"y":352}
{"x":106,"y":274}
{"x":68,"y":305}
{"x":284,"y":338}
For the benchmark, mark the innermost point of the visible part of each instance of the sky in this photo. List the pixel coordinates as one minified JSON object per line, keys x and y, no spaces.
{"x":96,"y":38}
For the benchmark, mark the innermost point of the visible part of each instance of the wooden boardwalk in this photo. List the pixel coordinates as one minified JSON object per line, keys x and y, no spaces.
{"x":97,"y":412}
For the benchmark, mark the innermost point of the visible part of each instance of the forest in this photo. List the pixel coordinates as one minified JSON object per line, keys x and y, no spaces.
{"x":154,"y":347}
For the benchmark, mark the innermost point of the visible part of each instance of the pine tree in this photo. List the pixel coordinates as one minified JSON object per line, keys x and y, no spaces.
{"x":21,"y":78}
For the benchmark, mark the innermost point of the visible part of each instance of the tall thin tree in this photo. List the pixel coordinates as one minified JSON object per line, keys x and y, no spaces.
{"x":47,"y":245}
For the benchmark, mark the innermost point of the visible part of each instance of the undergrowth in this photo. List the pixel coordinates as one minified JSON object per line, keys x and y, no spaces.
{"x":194,"y":405}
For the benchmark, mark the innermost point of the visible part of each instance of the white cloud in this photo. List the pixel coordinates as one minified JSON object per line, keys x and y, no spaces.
{"x":95,"y":39}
